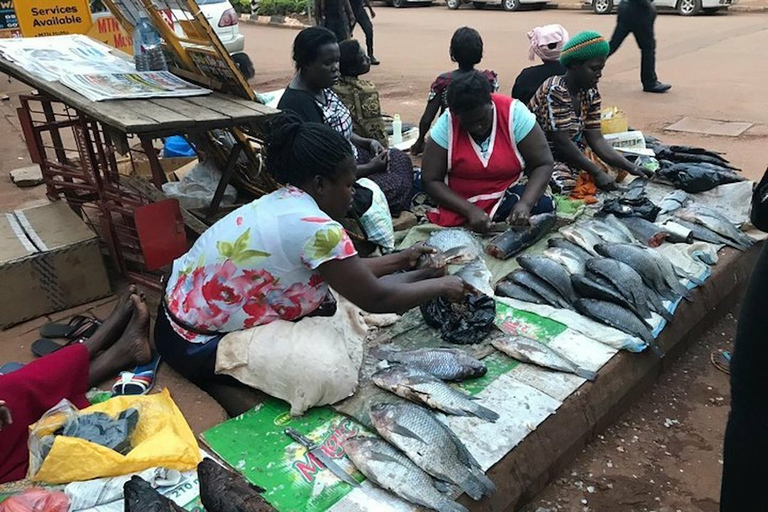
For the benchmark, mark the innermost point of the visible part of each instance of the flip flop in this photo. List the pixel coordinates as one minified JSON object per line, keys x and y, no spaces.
{"x":721,"y":359}
{"x":10,"y":367}
{"x":84,"y":330}
{"x":57,"y":330}
{"x":139,"y":381}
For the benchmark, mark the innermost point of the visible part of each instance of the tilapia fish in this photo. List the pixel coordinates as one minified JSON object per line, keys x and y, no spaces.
{"x":568,"y":259}
{"x":641,"y":259}
{"x":590,"y":288}
{"x":390,"y":469}
{"x":431,"y":445}
{"x":423,"y":387}
{"x":459,"y":243}
{"x":714,"y":221}
{"x":515,"y":291}
{"x":629,"y":283}
{"x":515,"y":239}
{"x":584,"y":238}
{"x":551,"y":272}
{"x":444,"y":363}
{"x":476,"y":274}
{"x":619,"y":318}
{"x":646,"y":232}
{"x":531,"y":351}
{"x":705,"y":234}
{"x":616,"y":224}
{"x":606,"y":231}
{"x":562,"y":243}
{"x":540,"y":287}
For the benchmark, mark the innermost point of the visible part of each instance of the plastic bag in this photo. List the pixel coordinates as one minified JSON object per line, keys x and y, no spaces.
{"x":197,"y":188}
{"x":36,"y":500}
{"x":161,"y":438}
{"x":461,"y":323}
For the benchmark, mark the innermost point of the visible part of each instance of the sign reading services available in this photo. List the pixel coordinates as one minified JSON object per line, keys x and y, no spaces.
{"x":53,"y":17}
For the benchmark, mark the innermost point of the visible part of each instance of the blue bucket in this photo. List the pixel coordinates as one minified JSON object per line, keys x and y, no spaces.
{"x":177,"y":146}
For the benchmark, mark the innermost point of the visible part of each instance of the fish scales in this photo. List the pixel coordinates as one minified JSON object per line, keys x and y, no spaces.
{"x":624,"y":279}
{"x":562,"y":243}
{"x":551,"y":272}
{"x":444,"y":363}
{"x":528,"y":280}
{"x":515,"y":291}
{"x":619,"y":318}
{"x":591,"y":289}
{"x":531,"y":351}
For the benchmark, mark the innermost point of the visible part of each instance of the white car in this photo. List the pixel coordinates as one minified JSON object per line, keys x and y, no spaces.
{"x":507,"y":5}
{"x":224,"y":20}
{"x":683,"y":7}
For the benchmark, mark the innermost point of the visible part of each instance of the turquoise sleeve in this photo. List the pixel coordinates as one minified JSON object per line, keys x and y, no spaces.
{"x":439,"y":131}
{"x":524,"y":120}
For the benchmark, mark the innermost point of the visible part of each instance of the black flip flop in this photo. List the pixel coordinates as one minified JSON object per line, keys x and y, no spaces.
{"x":58,"y":330}
{"x":85,"y":330}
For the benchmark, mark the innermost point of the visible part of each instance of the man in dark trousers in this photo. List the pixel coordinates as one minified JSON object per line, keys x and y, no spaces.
{"x":358,"y":9}
{"x":336,"y":16}
{"x":637,"y":17}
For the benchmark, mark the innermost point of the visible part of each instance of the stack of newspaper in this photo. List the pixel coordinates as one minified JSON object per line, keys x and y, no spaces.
{"x":91,"y":69}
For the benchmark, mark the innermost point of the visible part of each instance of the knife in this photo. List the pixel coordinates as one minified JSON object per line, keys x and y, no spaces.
{"x":321,"y":456}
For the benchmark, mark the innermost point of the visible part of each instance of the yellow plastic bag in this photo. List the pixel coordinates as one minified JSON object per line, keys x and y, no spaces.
{"x":162,"y":438}
{"x":613,"y":120}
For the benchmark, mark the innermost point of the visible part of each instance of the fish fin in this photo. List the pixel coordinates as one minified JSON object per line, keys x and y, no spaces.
{"x":406,"y":432}
{"x":477,"y":485}
{"x":465,"y":457}
{"x":383,"y":457}
{"x":443,"y":486}
{"x":586,"y":374}
{"x":485,"y":413}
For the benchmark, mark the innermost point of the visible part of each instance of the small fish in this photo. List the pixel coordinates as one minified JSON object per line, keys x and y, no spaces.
{"x":431,"y":445}
{"x":515,"y":291}
{"x":539,"y":286}
{"x":531,"y":351}
{"x":551,"y":272}
{"x":591,"y":289}
{"x":423,"y":387}
{"x":568,"y":259}
{"x":672,"y":202}
{"x":619,"y":318}
{"x":449,"y":364}
{"x":584,"y":238}
{"x":390,"y":469}
{"x":476,"y":274}
{"x":714,"y":221}
{"x":562,"y":243}
{"x":445,"y":240}
{"x":514,"y":240}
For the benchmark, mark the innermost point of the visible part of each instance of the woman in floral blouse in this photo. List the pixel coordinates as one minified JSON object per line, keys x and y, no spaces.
{"x":276,"y":257}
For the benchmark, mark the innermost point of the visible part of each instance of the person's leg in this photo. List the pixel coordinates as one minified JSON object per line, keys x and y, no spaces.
{"x":646,"y":40}
{"x":367,"y":26}
{"x":114,"y":325}
{"x":621,"y":31}
{"x":397,"y":181}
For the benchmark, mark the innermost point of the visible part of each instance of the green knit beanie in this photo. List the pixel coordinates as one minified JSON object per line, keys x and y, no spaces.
{"x":583,"y":47}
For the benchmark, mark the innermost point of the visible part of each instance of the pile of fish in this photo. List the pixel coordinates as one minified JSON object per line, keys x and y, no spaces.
{"x":417,"y":457}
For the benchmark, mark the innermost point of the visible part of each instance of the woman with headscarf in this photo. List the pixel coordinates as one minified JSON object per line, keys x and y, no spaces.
{"x":568,"y":109}
{"x":546,"y":42}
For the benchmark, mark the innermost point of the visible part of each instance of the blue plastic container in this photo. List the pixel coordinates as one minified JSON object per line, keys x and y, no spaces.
{"x":177,"y":146}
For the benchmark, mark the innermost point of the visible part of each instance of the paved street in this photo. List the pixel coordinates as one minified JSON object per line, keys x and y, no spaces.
{"x":713,"y":62}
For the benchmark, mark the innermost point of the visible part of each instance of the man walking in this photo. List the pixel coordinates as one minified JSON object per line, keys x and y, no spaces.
{"x":637,"y":17}
{"x":336,"y":16}
{"x":358,"y":9}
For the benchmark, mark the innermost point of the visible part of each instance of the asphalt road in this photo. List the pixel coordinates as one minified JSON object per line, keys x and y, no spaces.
{"x":713,"y":62}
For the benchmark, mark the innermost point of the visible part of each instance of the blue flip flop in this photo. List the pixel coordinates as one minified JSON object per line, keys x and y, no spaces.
{"x":138,"y":381}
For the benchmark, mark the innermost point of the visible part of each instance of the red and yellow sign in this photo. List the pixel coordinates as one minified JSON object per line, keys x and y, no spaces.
{"x":53,"y":17}
{"x":107,"y":30}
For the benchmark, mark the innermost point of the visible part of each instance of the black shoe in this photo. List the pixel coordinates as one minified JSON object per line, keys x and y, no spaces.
{"x":374,"y":61}
{"x":657,"y":87}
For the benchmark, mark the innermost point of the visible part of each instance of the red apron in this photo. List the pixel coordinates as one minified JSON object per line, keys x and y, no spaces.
{"x":481,"y":181}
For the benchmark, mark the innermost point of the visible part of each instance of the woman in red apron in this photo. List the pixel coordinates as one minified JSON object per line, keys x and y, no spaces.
{"x":474,"y":160}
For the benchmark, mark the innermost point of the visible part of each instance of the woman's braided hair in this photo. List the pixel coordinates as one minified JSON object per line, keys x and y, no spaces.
{"x":467,"y":92}
{"x":299,"y":151}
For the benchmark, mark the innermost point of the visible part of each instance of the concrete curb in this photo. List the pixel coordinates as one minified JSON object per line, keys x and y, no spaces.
{"x":273,"y":21}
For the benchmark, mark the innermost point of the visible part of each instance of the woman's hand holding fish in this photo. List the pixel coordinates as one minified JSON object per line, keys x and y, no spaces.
{"x":423,"y":256}
{"x":478,"y":220}
{"x":521,"y":214}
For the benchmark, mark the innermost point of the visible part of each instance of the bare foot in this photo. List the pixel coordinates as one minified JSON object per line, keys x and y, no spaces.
{"x":114,"y":325}
{"x":135,"y":339}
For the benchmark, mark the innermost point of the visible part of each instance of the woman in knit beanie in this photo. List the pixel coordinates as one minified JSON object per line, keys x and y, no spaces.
{"x":546,"y":43}
{"x":568,"y":109}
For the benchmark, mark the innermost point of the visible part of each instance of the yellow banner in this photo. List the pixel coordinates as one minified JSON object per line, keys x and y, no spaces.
{"x":107,"y":30}
{"x":53,"y":17}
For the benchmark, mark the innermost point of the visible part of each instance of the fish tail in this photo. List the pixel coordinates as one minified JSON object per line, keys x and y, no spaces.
{"x":656,"y":348}
{"x":586,"y":374}
{"x":484,"y":413}
{"x":485,"y":483}
{"x":452,"y":506}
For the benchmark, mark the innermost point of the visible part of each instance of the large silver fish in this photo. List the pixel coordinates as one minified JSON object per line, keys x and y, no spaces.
{"x":509,"y":289}
{"x":446,"y":240}
{"x":562,"y":243}
{"x":431,"y":445}
{"x":606,"y":231}
{"x":476,"y":274}
{"x":422,"y":387}
{"x":705,"y":234}
{"x":568,"y":259}
{"x":444,"y":363}
{"x":616,"y":224}
{"x":551,"y":272}
{"x":390,"y":469}
{"x":590,"y":288}
{"x":540,"y":287}
{"x":584,"y":238}
{"x":531,"y":351}
{"x":713,"y":220}
{"x":629,"y":283}
{"x":640,"y":259}
{"x":619,"y":318}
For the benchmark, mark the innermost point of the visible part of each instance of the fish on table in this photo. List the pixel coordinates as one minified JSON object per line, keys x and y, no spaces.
{"x":645,"y":231}
{"x":577,"y":250}
{"x":571,"y":261}
{"x":531,"y":351}
{"x":716,"y":222}
{"x":606,"y":231}
{"x":584,"y":238}
{"x":699,"y":232}
{"x":460,"y":249}
{"x":646,"y":262}
{"x":449,"y":364}
{"x":550,"y":271}
{"x":522,"y":277}
{"x":619,"y":318}
{"x":422,"y":387}
{"x":390,"y":469}
{"x":515,"y":239}
{"x":515,"y":291}
{"x":431,"y":445}
{"x":591,"y":288}
{"x":672,"y":202}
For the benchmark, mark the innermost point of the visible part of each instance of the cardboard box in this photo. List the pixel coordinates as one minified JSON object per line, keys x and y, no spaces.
{"x":49,"y":261}
{"x":140,"y":167}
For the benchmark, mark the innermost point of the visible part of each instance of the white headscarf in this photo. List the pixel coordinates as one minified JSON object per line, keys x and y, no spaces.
{"x":542,"y":37}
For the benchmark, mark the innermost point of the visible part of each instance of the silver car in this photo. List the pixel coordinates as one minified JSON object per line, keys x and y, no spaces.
{"x":683,"y":7}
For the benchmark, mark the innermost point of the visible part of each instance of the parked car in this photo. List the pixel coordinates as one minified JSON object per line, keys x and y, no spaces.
{"x":224,"y":20}
{"x":683,"y":7}
{"x":507,"y":5}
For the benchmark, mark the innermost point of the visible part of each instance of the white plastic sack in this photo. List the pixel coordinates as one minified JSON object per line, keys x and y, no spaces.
{"x":315,"y":361}
{"x":197,"y":188}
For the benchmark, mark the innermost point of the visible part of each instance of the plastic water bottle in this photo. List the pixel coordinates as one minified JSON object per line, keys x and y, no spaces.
{"x":397,"y":130}
{"x":147,"y":49}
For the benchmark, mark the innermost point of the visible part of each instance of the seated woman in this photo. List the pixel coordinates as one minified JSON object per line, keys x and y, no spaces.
{"x":276,"y":258}
{"x":546,"y":42}
{"x":121,"y":342}
{"x":568,"y":109}
{"x":475,"y":157}
{"x":360,"y":96}
{"x":310,"y":97}
{"x":466,"y":51}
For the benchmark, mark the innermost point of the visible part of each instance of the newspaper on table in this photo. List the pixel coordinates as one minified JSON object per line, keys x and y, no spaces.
{"x":92,"y":69}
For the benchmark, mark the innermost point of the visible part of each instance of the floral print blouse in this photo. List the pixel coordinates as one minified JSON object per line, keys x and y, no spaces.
{"x":257,"y":264}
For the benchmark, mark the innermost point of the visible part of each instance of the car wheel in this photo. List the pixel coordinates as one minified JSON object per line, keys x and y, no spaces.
{"x":510,"y":5}
{"x":603,"y":6}
{"x":453,"y":4}
{"x":689,"y":7}
{"x":478,"y":5}
{"x":398,"y":3}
